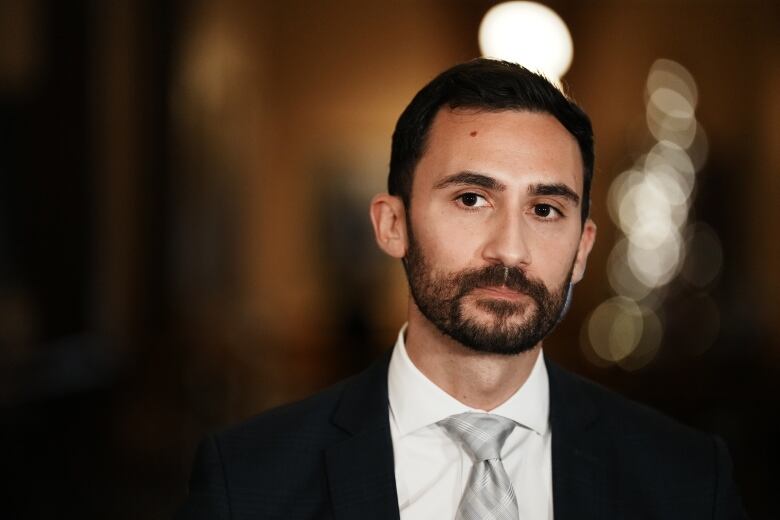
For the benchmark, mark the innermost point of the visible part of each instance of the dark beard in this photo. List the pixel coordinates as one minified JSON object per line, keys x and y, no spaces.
{"x":441,"y":301}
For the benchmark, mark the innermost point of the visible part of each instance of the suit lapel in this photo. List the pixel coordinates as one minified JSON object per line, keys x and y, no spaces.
{"x":579,"y":473}
{"x":360,"y":469}
{"x":361,"y":472}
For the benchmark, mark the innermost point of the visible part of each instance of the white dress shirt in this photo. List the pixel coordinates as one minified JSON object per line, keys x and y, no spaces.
{"x":431,"y":470}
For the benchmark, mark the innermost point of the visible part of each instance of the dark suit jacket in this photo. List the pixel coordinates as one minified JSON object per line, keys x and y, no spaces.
{"x":330,"y":456}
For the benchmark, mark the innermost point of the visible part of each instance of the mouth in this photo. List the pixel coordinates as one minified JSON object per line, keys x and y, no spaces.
{"x":501,"y":292}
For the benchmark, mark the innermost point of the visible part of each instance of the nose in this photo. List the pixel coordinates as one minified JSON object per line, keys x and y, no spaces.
{"x":507,"y":241}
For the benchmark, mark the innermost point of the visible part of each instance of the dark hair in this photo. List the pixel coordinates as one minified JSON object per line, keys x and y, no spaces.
{"x":485,"y":84}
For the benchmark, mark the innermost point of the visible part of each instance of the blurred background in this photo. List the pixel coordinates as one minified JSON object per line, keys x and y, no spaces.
{"x":184,"y":238}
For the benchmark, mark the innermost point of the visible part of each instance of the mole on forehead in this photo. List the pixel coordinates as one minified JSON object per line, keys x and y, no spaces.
{"x":473,"y":133}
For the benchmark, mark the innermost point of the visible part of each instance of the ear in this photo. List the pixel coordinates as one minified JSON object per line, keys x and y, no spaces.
{"x":587,"y":239}
{"x":388,"y":217}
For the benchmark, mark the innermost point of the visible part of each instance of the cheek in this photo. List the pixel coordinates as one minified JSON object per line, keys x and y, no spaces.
{"x":555,"y":258}
{"x":450,"y":244}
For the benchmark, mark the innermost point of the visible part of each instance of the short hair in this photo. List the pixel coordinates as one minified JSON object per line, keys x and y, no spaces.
{"x":490,"y":85}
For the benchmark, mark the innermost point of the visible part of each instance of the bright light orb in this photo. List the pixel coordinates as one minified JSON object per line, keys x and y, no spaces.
{"x":624,"y":332}
{"x":615,"y":328}
{"x":620,"y":275}
{"x":530,"y":34}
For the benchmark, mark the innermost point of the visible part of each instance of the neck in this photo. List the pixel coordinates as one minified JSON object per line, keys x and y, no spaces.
{"x":477,"y":379}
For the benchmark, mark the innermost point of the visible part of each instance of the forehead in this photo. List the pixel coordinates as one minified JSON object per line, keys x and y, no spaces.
{"x":514,"y":146}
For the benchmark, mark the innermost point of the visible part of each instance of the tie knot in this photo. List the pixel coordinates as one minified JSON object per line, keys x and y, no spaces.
{"x":481,"y":434}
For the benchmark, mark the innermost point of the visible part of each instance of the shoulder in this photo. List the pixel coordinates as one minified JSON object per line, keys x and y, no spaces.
{"x":288,"y":438}
{"x":631,"y":438}
{"x":273,"y":464}
{"x":642,"y":449}
{"x":300,"y":431}
{"x":613,"y":413}
{"x":269,"y":466}
{"x":647,"y":460}
{"x":287,"y":423}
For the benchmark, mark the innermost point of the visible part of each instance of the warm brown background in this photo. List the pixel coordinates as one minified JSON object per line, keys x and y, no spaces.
{"x":184,"y":237}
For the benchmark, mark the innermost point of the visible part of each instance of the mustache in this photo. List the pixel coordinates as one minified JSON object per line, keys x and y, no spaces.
{"x":512,"y":278}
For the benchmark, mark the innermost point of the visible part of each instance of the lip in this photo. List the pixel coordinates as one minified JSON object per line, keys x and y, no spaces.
{"x":501,"y":292}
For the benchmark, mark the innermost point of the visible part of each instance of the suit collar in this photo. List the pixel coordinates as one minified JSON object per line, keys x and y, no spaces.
{"x":417,"y":402}
{"x":578,"y":447}
{"x":363,"y":403}
{"x":572,"y":407}
{"x":360,"y":468}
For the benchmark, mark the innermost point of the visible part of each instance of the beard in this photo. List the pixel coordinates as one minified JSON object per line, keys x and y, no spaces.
{"x":443,"y":301}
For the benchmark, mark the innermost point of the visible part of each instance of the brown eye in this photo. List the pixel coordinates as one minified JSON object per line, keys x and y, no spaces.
{"x":469,"y":199}
{"x":543,"y":210}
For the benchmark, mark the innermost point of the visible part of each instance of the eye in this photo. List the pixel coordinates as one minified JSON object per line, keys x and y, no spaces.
{"x":472,"y":200}
{"x":546,"y":211}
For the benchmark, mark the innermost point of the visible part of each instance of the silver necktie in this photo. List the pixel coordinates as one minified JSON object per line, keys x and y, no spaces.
{"x":488,"y":494}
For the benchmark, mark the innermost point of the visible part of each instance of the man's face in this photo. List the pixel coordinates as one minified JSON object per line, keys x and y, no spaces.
{"x":494,"y":230}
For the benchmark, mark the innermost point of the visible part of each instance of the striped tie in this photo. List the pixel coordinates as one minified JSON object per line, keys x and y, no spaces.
{"x":488,"y":494}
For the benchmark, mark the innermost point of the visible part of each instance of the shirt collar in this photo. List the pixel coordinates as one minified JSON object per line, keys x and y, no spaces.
{"x":416,"y":402}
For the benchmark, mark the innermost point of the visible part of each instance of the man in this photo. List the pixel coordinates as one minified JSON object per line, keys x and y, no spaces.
{"x":488,"y":209}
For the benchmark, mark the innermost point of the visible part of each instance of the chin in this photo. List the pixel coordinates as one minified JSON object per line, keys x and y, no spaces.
{"x":495,"y":311}
{"x":497,"y":346}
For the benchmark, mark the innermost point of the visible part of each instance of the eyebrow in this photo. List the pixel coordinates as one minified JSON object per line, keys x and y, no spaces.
{"x":469,"y":178}
{"x":556,"y":190}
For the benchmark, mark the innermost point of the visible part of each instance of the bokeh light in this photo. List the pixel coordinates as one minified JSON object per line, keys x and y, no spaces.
{"x":669,"y":74}
{"x":615,"y":328}
{"x":650,"y":204}
{"x":699,"y":149}
{"x":681,"y":133}
{"x":624,"y":332}
{"x":656,"y":266}
{"x":621,"y":277}
{"x":649,"y":343}
{"x":530,"y":34}
{"x":672,"y":158}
